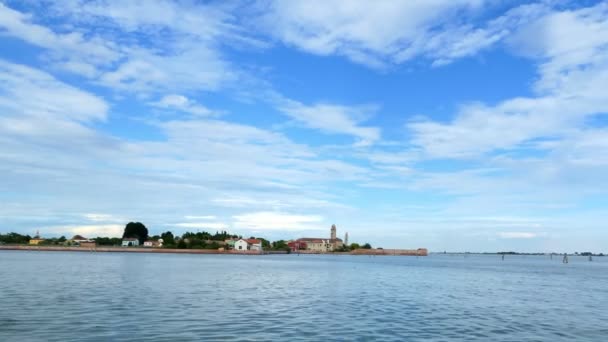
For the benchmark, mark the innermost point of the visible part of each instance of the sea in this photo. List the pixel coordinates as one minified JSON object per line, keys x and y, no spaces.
{"x":87,"y":296}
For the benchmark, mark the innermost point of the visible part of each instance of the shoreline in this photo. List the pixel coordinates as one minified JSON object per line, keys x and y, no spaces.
{"x":386,"y":252}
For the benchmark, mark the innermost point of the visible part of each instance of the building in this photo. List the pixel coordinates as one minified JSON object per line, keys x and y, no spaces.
{"x":316,"y":244}
{"x":153,"y":243}
{"x":128,"y":242}
{"x":229,"y":243}
{"x":78,"y":240}
{"x":320,"y":245}
{"x":36,"y":239}
{"x":297,"y":245}
{"x":248,"y":245}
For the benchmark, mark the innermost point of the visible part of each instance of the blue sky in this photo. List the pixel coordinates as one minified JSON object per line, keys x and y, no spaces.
{"x":450,"y":124}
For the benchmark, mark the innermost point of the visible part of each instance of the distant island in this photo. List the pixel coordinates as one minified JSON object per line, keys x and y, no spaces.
{"x":136,"y":238}
{"x":524,"y":253}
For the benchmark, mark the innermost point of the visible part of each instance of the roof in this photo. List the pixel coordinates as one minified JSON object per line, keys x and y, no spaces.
{"x":318,"y":240}
{"x":130,"y":239}
{"x":79,"y":237}
{"x":296,"y":242}
{"x":253,"y":241}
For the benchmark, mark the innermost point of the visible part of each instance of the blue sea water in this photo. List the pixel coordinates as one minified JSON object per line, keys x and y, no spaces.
{"x":63,"y":296}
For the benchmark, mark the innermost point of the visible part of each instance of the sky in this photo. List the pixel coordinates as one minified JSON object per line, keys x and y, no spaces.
{"x":459,"y":125}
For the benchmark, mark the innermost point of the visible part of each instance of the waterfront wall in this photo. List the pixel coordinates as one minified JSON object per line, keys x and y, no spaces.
{"x":127,"y":250}
{"x":405,"y":252}
{"x":103,"y":249}
{"x":361,"y":251}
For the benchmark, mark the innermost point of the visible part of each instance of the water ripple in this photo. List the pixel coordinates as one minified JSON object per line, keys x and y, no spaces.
{"x":52,"y":296}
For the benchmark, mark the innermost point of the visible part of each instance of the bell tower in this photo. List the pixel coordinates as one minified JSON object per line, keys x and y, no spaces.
{"x":333,"y":232}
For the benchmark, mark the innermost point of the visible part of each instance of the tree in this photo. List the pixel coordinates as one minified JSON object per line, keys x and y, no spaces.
{"x":136,"y":230}
{"x":265,"y":243}
{"x":106,"y":241}
{"x":182,"y":244}
{"x":168,"y":239}
{"x":15,"y":238}
{"x":354,"y":246}
{"x":367,"y":246}
{"x":279,"y":245}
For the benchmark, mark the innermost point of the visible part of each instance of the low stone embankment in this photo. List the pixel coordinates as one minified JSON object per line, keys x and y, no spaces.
{"x":126,"y":250}
{"x":403,"y":252}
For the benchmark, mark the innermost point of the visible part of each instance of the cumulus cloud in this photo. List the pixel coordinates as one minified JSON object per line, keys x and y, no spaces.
{"x":65,"y":152}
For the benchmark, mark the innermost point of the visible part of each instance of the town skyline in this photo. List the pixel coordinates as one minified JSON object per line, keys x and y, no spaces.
{"x":451,"y":125}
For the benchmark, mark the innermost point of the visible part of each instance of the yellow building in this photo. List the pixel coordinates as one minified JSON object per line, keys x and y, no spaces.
{"x":321,"y":245}
{"x":36,"y":239}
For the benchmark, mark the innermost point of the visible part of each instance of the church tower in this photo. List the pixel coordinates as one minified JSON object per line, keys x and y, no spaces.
{"x":346,"y":239}
{"x":333,"y":232}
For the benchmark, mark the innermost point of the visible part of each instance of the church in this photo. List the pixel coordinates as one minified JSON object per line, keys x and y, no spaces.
{"x":320,"y":245}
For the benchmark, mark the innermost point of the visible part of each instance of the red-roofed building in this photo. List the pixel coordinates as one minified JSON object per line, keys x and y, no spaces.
{"x":297,"y":245}
{"x":321,"y":245}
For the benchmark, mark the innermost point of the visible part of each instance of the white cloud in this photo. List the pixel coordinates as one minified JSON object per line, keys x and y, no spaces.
{"x":200,"y":225}
{"x":31,"y":92}
{"x":520,"y":235}
{"x":379,"y":33}
{"x":71,"y":50}
{"x":192,"y":68}
{"x":198,"y":217}
{"x":141,"y":47}
{"x":277,"y":221}
{"x":96,"y":217}
{"x":182,"y":103}
{"x":566,"y":42}
{"x":573,"y":74}
{"x":259,"y":178}
{"x":334,"y":119}
{"x":89,"y":231}
{"x":194,"y":163}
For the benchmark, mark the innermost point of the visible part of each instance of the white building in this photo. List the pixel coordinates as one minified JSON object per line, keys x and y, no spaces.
{"x":248,"y":245}
{"x":153,"y":243}
{"x":127,"y":242}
